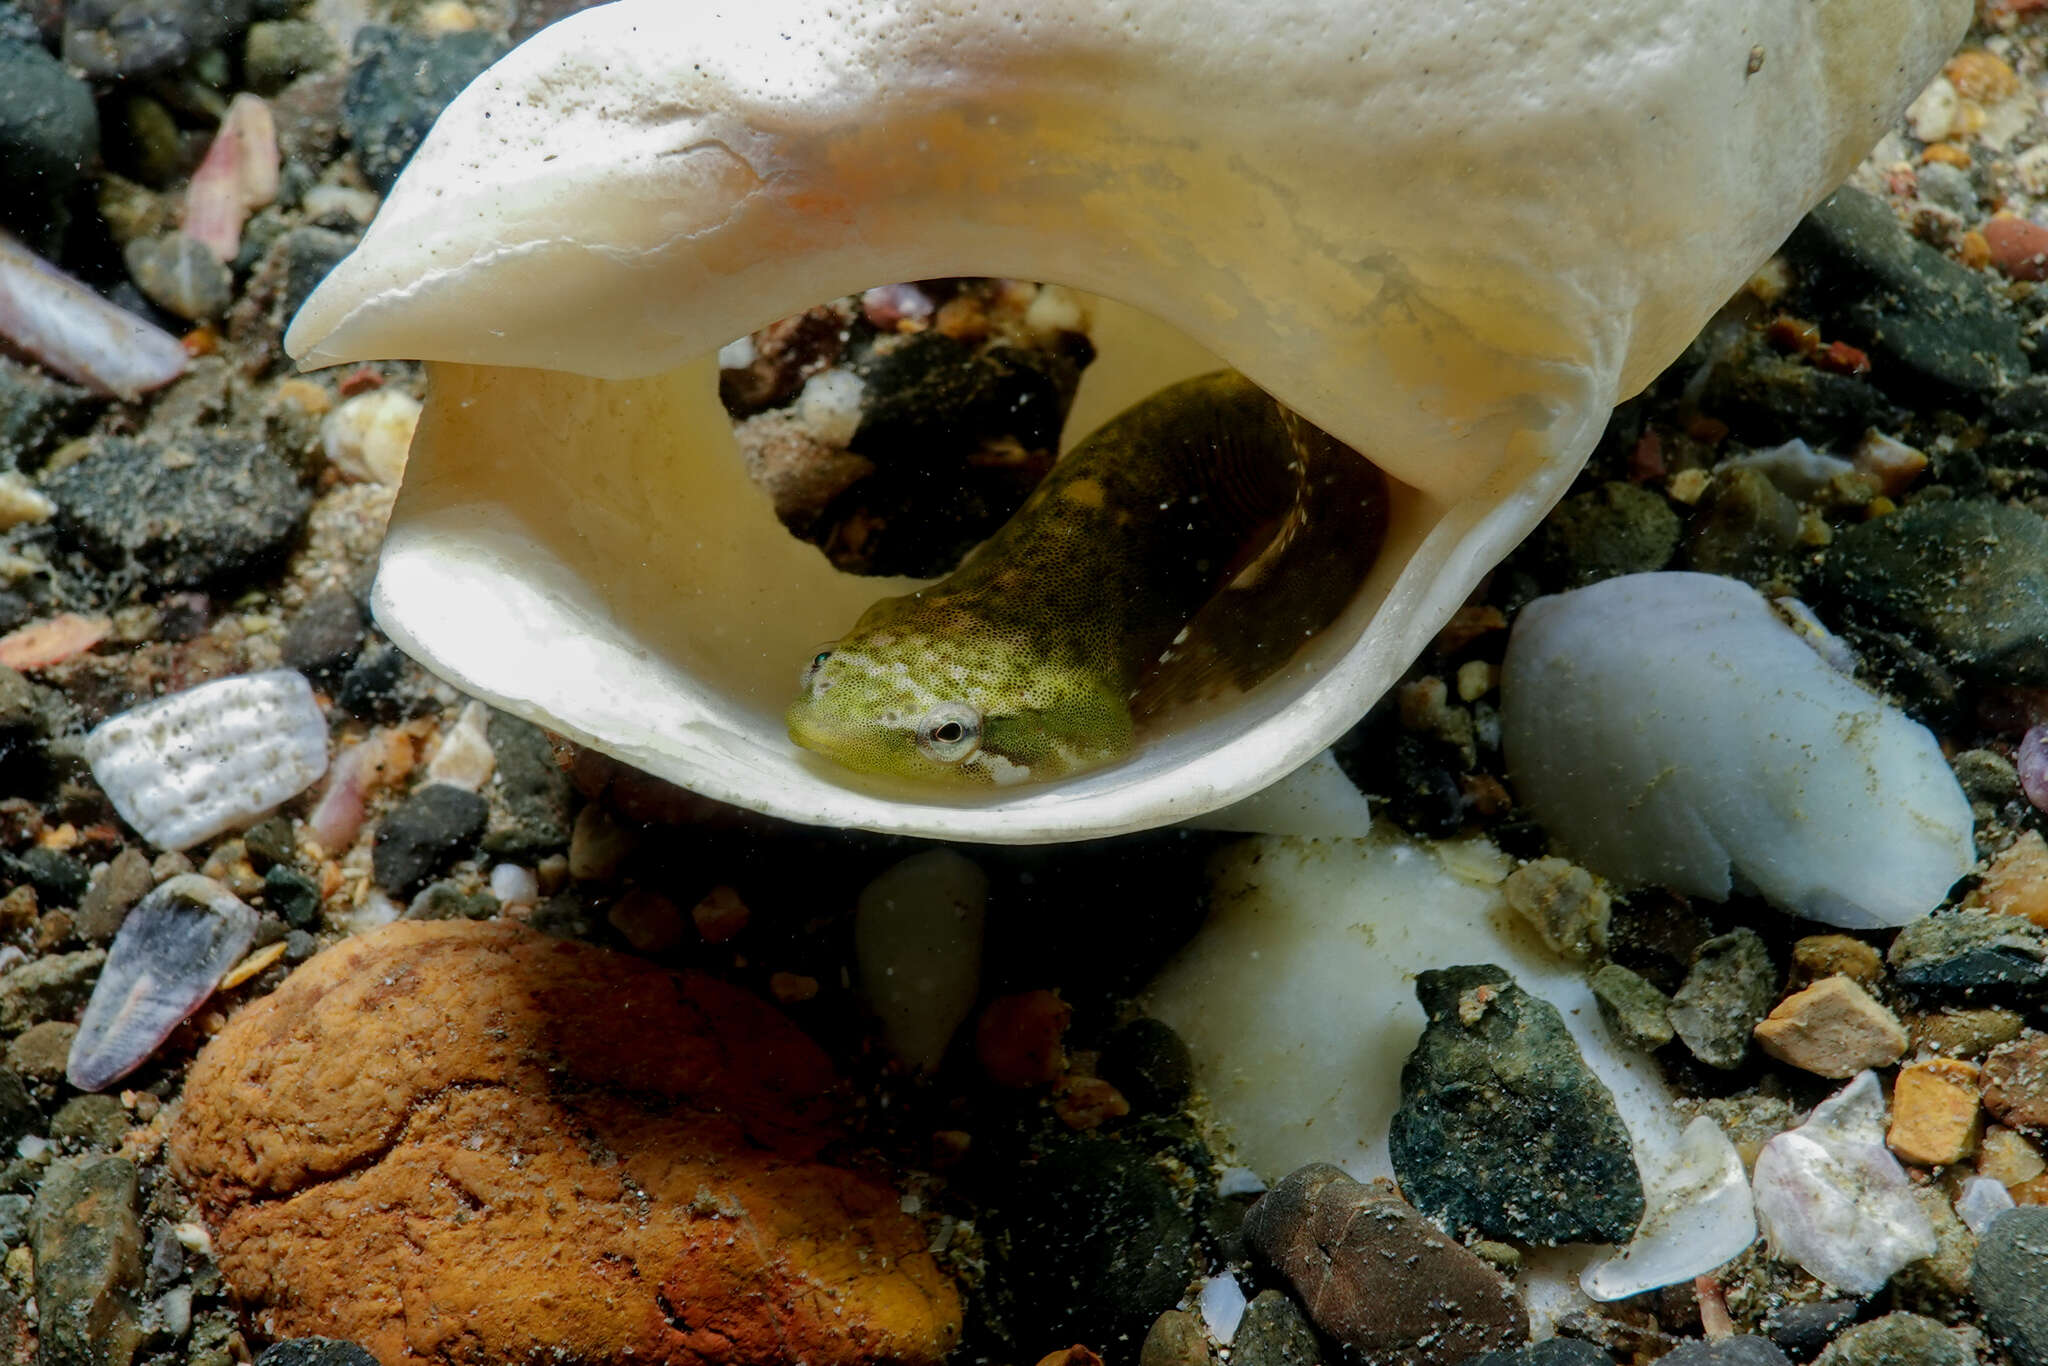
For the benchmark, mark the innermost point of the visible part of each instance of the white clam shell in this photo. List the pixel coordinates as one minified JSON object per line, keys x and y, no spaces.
{"x":1452,"y":235}
{"x":186,"y":767}
{"x":1700,"y":1215}
{"x":1670,"y":729}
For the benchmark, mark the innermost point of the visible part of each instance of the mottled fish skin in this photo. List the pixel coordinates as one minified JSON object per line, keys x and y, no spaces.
{"x":1191,"y":544}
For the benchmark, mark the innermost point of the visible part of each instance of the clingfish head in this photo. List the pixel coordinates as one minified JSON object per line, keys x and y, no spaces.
{"x":966,"y":711}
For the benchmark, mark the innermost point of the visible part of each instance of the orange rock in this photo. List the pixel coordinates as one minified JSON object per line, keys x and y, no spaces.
{"x":2016,"y":882}
{"x":1948,"y":153}
{"x":466,"y":1142}
{"x":2018,"y":247}
{"x":1077,"y":1355}
{"x":1935,"y":1115}
{"x":2006,"y":1157}
{"x":1973,"y":251}
{"x":1018,"y":1039}
{"x":1981,"y":76}
{"x":1834,"y":1028}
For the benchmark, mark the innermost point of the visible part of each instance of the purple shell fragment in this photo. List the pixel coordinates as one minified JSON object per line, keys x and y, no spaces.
{"x":171,"y":952}
{"x":54,"y":319}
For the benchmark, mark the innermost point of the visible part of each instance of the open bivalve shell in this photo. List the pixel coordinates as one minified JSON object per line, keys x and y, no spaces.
{"x":1451,"y":235}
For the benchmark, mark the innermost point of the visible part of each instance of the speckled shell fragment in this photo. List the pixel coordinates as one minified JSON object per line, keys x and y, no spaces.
{"x":186,"y":767}
{"x":171,"y":952}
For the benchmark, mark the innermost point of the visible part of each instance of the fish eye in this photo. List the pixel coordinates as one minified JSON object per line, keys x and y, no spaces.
{"x":950,"y":732}
{"x":811,"y":670}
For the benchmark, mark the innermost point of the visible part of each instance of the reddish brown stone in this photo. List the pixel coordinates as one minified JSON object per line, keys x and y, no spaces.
{"x":463,"y":1143}
{"x":1019,"y":1039}
{"x":2016,"y":1082}
{"x":2018,"y":247}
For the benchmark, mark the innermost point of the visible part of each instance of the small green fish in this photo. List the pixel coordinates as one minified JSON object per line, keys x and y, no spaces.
{"x":1193,"y":543}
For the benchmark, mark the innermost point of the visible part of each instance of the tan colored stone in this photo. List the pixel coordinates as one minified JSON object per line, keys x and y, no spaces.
{"x":1820,"y":956}
{"x":1963,"y":1032}
{"x":2008,"y":1158}
{"x":1935,"y":1115}
{"x":2016,"y":1082}
{"x":2016,"y":882}
{"x":1834,"y":1028}
{"x":465,"y":1142}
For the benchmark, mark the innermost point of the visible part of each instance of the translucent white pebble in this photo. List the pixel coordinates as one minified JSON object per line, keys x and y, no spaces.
{"x":515,"y":885}
{"x":1669,"y":729}
{"x":170,"y":953}
{"x":184,"y":768}
{"x":464,"y":758}
{"x":1222,"y":1302}
{"x":917,"y":941}
{"x":369,"y":436}
{"x":1831,"y":1197}
{"x":1699,"y":1216}
{"x":1984,"y":1198}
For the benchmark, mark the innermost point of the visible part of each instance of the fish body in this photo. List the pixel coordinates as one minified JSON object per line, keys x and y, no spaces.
{"x":1192,"y":543}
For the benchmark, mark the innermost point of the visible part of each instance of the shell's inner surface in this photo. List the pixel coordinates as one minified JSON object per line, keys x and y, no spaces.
{"x":1186,"y":550}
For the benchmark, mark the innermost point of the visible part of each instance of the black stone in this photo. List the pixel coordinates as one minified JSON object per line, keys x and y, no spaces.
{"x":1149,"y":1064}
{"x":1767,"y":400}
{"x":1969,"y":951}
{"x":269,"y":842}
{"x":125,"y":38}
{"x":1966,"y":578}
{"x":325,"y":636}
{"x":293,"y":896}
{"x":2010,"y":1282}
{"x":1739,"y":1351}
{"x":1273,"y":1333}
{"x":186,"y":511}
{"x":1555,"y":1352}
{"x":371,"y":688}
{"x":1802,"y":1330}
{"x":34,"y":410}
{"x":19,"y":1113}
{"x":315,"y":1352}
{"x":309,"y":254}
{"x":59,"y":879}
{"x":529,"y":793}
{"x":400,"y":83}
{"x":1096,"y":1247}
{"x":1929,"y":324}
{"x":429,"y":830}
{"x":1503,"y":1128}
{"x":49,"y":133}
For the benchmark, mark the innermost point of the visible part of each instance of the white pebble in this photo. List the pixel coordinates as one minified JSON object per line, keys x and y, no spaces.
{"x":1984,"y":1198}
{"x":367,"y":437}
{"x":514,"y":885}
{"x":464,"y":758}
{"x":1831,"y":1197}
{"x":1795,"y":469}
{"x":21,"y":501}
{"x":737,"y":354}
{"x":169,"y":955}
{"x":374,"y":911}
{"x":1222,"y":1302}
{"x":1670,"y":730}
{"x":1699,"y":1215}
{"x":31,"y":1147}
{"x":1932,"y":114}
{"x":830,"y":405}
{"x":917,"y":945}
{"x":186,"y":767}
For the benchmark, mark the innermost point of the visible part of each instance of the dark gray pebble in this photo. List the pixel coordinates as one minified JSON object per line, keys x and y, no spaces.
{"x":1273,"y":1333}
{"x":19,"y":1114}
{"x":1969,"y":951}
{"x":189,"y":510}
{"x":1731,"y":986}
{"x":1148,"y":1064}
{"x":400,"y":83}
{"x":125,"y":38}
{"x":14,"y":1212}
{"x":34,"y":409}
{"x":1503,"y":1128}
{"x":1967,"y":579}
{"x":277,"y":52}
{"x":180,"y":275}
{"x":1737,"y":1351}
{"x":1555,"y":1352}
{"x":293,"y":896}
{"x":49,"y":133}
{"x":529,"y":791}
{"x":59,"y":879}
{"x":269,"y":842}
{"x":315,"y":1352}
{"x":88,"y":1257}
{"x":2010,"y":1282}
{"x":1802,"y":1330}
{"x":1744,"y":528}
{"x":325,"y":636}
{"x":1766,"y":399}
{"x":429,"y":830}
{"x":373,"y":685}
{"x":1377,"y":1277}
{"x":115,"y":889}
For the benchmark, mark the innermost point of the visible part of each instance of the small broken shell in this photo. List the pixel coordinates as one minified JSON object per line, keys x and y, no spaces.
{"x":1421,"y":227}
{"x":171,"y":952}
{"x":186,"y":767}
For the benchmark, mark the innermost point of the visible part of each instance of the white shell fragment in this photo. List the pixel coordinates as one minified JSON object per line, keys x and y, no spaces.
{"x":1669,"y":729}
{"x":1222,"y":1304}
{"x":1984,"y":1198}
{"x":1457,"y":275}
{"x":171,"y":952}
{"x":1831,"y":1197}
{"x":186,"y":767}
{"x":917,"y":943}
{"x":1699,"y":1215}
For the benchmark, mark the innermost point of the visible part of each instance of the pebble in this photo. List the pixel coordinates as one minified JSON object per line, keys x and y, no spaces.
{"x":529,"y":793}
{"x":917,"y":940}
{"x":598,"y":844}
{"x":2007,"y":1157}
{"x":1833,"y":1028}
{"x":1019,"y":1040}
{"x":172,"y":951}
{"x":1967,"y":578}
{"x":463,"y":758}
{"x":2016,"y":1082}
{"x":399,"y":82}
{"x":1926,"y":321}
{"x":1897,"y":1340}
{"x":53,"y":985}
{"x":238,"y":176}
{"x":1699,"y":1215}
{"x":186,"y":767}
{"x":180,"y":274}
{"x":128,"y":38}
{"x":1273,"y":1333}
{"x":294,"y":897}
{"x":1555,"y":1352}
{"x":1817,"y":956}
{"x":369,"y":436}
{"x":191,"y":510}
{"x":34,"y":409}
{"x":1935,"y":1115}
{"x":1177,"y":1338}
{"x":49,"y":133}
{"x":58,"y":878}
{"x":1502,"y":1126}
{"x":277,"y":52}
{"x":1950,"y":187}
{"x":649,"y":922}
{"x":2019,"y":248}
{"x":1745,"y":527}
{"x":39,"y":1053}
{"x":90,"y":1121}
{"x":1983,"y":1199}
{"x":88,"y":1262}
{"x":429,"y":830}
{"x":1617,"y":528}
{"x":2016,"y":881}
{"x":1726,"y":992}
{"x":1968,"y":951}
{"x":1803,"y":1329}
{"x":323,"y":638}
{"x":1832,"y":1199}
{"x":1561,"y":902}
{"x":115,"y":889}
{"x":1149,"y":1064}
{"x":2007,"y":1277}
{"x":315,"y":1352}
{"x":1736,"y":1351}
{"x":19,"y":1113}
